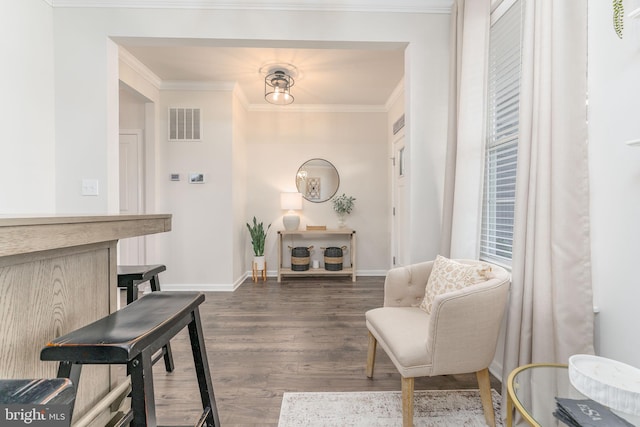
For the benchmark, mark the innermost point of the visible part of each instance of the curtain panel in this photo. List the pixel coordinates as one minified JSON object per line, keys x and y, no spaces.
{"x":550,"y":313}
{"x":462,"y":203}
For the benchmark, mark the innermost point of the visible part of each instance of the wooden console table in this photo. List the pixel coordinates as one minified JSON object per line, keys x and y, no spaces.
{"x":57,"y":274}
{"x":309,"y":235}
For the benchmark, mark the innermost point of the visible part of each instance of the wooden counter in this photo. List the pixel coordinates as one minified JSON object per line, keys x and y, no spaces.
{"x":57,"y":274}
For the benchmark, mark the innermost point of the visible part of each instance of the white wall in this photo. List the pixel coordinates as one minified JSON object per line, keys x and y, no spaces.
{"x":239,"y":175}
{"x":86,"y":117}
{"x":27,"y":167}
{"x":278,"y":143}
{"x":131,"y":109}
{"x":614,"y":117}
{"x":198,"y":251}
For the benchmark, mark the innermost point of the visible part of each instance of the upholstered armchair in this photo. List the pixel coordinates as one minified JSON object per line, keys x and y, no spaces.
{"x":459,"y":335}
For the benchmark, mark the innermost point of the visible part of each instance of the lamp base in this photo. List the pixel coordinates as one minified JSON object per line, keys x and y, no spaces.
{"x":291,"y":222}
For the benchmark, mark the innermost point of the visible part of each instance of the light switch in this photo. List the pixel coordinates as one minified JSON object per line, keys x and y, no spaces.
{"x":89,"y":187}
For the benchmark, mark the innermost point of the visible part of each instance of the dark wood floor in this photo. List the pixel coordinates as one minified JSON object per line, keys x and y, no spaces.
{"x":268,"y":338}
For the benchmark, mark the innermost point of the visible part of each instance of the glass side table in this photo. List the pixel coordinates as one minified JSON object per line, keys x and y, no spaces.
{"x":532,"y":390}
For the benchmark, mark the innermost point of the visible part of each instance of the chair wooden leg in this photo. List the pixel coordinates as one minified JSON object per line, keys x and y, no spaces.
{"x":407,"y":402}
{"x":485,"y":394}
{"x":371,"y":355}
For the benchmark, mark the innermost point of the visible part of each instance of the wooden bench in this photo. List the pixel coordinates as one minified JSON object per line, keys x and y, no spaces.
{"x":131,"y":336}
{"x":129,"y":277}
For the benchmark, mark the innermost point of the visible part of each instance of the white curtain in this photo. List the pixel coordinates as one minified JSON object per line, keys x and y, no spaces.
{"x":550,"y":313}
{"x":465,"y":145}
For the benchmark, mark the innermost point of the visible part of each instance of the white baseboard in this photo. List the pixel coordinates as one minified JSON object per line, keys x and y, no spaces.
{"x":377,"y":273}
{"x":200,"y":287}
{"x":230,"y":287}
{"x":205,"y":287}
{"x":381,"y":273}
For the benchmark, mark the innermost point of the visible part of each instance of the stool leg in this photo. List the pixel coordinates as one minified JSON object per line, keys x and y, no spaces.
{"x":142,"y":396}
{"x":132,"y":291}
{"x":202,"y":370}
{"x":155,"y":283}
{"x":168,"y":356}
{"x":71,"y":371}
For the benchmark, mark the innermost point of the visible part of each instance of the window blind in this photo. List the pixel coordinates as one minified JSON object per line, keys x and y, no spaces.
{"x":496,"y":239}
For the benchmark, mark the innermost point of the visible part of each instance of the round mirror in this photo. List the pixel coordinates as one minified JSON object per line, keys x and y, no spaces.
{"x":317,"y":180}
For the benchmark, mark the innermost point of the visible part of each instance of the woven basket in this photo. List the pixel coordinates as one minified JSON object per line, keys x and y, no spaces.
{"x":333,"y":258}
{"x":300,"y":258}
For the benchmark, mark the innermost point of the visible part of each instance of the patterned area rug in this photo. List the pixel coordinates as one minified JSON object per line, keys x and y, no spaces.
{"x":437,"y":408}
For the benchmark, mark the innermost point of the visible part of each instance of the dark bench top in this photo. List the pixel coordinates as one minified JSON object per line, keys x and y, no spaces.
{"x":141,"y":273}
{"x":41,"y":391}
{"x":119,"y":337}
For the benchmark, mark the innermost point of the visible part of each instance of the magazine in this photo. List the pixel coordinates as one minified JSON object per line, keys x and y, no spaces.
{"x":587,"y":413}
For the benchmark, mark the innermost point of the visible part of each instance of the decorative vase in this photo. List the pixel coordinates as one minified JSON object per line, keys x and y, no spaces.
{"x":341,"y":220}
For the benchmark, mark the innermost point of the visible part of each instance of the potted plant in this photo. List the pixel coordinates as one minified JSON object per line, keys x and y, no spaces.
{"x":343,"y":205}
{"x":258,"y":236}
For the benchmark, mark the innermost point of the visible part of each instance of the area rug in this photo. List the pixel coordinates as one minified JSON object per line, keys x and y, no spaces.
{"x":437,"y":408}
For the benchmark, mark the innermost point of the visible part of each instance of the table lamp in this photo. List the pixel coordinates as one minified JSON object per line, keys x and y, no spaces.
{"x":291,"y":202}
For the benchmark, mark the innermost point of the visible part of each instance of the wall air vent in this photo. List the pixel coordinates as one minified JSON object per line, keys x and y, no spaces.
{"x":184,"y":124}
{"x":399,"y":124}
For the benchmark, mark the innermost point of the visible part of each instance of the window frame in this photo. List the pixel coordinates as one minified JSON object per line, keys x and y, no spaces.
{"x":501,"y":134}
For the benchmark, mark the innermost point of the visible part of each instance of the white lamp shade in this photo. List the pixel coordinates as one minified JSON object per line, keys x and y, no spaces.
{"x":291,"y":201}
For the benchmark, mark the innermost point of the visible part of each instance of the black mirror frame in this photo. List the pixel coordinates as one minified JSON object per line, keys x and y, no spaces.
{"x":302,"y":188}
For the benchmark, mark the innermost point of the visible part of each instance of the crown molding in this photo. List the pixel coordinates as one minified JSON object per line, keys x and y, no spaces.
{"x":317,"y":108}
{"x":399,"y":6}
{"x":197,"y":85}
{"x":126,"y":57}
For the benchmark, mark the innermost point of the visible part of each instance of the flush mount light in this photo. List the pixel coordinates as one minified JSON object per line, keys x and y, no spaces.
{"x":277,"y":87}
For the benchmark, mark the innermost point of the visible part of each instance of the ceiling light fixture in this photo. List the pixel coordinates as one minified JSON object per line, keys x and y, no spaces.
{"x":277,"y":87}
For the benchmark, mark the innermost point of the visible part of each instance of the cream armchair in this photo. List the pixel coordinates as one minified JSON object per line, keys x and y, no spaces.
{"x":458,"y":336}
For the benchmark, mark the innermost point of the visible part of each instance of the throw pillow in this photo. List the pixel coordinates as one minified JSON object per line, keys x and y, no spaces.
{"x":448,"y":275}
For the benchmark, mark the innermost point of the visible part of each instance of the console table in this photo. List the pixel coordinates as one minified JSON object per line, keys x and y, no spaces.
{"x":58,"y":273}
{"x":309,"y":235}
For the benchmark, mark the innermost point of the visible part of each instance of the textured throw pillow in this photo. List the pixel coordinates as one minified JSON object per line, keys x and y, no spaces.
{"x":448,"y":275}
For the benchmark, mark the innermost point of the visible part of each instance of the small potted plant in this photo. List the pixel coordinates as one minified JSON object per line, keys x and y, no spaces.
{"x":258,"y":236}
{"x":343,"y":205}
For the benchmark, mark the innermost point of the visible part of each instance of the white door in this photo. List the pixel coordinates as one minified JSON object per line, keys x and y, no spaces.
{"x":399,"y":202}
{"x":131,"y":251}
